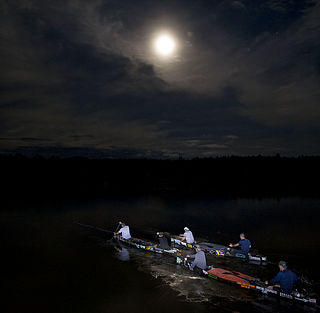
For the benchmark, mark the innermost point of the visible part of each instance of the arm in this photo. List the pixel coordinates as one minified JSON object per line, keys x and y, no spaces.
{"x":119,"y":232}
{"x":195,"y":262}
{"x":276,"y":279}
{"x":192,"y":256}
{"x":233,"y":245}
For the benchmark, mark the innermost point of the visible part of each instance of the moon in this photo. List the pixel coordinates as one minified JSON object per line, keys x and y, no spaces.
{"x":165,"y":45}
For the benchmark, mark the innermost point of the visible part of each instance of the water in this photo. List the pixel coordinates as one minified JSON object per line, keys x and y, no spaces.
{"x":51,"y":264}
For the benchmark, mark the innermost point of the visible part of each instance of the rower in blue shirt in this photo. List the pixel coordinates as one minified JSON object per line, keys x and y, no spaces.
{"x":284,"y":280}
{"x":244,"y":245}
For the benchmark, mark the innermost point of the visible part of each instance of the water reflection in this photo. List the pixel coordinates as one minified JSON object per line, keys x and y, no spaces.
{"x":56,"y":256}
{"x":122,"y":254}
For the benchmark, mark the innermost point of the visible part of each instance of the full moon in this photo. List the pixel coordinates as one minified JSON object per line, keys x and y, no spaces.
{"x":164,"y":44}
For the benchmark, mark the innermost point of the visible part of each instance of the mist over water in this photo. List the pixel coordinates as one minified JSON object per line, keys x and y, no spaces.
{"x":51,"y":264}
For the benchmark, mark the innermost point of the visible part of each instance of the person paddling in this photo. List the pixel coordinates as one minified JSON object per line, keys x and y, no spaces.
{"x":124,"y":231}
{"x":163,"y":241}
{"x":187,"y":236}
{"x":284,"y":280}
{"x":244,"y":245}
{"x":200,"y":262}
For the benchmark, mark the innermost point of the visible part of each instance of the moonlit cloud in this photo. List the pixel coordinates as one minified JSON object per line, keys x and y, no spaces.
{"x":81,"y":76}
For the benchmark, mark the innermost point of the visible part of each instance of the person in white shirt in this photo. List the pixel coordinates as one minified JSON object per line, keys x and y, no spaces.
{"x":124,"y":231}
{"x":187,"y":236}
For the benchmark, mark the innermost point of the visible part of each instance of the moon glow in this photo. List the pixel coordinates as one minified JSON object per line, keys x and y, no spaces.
{"x":164,"y":45}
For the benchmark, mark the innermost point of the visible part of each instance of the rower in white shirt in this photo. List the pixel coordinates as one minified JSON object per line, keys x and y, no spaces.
{"x":187,"y":236}
{"x":124,"y":231}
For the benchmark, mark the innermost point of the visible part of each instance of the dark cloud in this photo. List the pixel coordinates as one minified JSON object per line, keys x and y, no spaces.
{"x":80,"y":76}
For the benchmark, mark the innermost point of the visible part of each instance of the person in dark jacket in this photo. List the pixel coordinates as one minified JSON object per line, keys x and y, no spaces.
{"x":284,"y":280}
{"x":244,"y":245}
{"x":163,"y":241}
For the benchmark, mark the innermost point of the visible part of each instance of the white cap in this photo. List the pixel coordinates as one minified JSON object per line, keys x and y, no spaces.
{"x":186,"y":228}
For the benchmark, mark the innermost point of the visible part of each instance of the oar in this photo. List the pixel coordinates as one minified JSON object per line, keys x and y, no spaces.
{"x":117,"y":228}
{"x":114,"y":232}
{"x":95,"y":227}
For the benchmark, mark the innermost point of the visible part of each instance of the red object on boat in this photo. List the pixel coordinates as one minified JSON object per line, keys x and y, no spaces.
{"x":231,"y":276}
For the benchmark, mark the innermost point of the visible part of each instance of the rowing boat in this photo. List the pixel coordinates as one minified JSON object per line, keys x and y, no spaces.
{"x":220,"y":274}
{"x":247,"y":282}
{"x":149,"y":246}
{"x":220,"y":250}
{"x":227,"y":276}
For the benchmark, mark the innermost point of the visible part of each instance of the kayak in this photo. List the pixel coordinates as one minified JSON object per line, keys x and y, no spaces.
{"x":220,"y":250}
{"x":247,"y":282}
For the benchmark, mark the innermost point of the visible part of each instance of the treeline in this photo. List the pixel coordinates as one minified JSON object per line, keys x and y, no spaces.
{"x":258,"y":176}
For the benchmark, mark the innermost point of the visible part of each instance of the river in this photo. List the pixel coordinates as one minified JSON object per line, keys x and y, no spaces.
{"x":51,"y":264}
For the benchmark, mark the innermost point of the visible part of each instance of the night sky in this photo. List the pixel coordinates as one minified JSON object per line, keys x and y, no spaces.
{"x":84,"y":78}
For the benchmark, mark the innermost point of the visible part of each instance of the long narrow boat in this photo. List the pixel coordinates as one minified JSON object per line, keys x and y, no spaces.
{"x":220,"y":250}
{"x":150,"y":246}
{"x":247,"y":282}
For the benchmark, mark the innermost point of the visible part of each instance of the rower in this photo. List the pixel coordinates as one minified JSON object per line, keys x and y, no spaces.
{"x":187,"y":236}
{"x":200,"y":262}
{"x":284,"y":280}
{"x":163,"y":241}
{"x":244,"y":245}
{"x":124,"y":231}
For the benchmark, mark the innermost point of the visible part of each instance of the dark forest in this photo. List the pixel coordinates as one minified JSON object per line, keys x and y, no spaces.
{"x":54,"y":178}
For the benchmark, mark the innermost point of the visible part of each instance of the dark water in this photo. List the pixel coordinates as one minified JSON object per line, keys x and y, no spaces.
{"x":50,"y":264}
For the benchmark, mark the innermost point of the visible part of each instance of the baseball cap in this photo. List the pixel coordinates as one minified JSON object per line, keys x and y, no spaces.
{"x":283,"y":264}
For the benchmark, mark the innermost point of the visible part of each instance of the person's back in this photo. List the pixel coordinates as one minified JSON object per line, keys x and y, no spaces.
{"x":163,"y":242}
{"x":199,"y":260}
{"x":125,"y":232}
{"x":245,"y":245}
{"x":286,"y":279}
{"x":189,"y":236}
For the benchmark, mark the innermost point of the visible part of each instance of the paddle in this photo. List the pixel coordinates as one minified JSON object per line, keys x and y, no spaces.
{"x":115,"y":231}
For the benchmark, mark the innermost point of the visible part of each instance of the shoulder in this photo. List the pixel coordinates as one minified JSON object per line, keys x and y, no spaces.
{"x":291,"y":272}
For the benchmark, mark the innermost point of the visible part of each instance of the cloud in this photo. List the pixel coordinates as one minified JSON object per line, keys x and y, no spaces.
{"x":79,"y":75}
{"x":280,"y":76}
